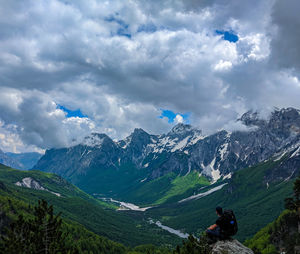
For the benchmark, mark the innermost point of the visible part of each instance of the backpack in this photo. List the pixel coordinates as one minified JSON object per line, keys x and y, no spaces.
{"x":230,"y":227}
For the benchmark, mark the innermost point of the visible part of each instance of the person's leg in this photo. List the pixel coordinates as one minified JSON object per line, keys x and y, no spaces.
{"x":213,"y":235}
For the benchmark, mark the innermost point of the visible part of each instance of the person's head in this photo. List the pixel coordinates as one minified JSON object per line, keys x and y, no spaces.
{"x":219,"y":210}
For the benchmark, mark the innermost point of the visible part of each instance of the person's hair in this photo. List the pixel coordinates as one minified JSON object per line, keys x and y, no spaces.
{"x":219,"y":210}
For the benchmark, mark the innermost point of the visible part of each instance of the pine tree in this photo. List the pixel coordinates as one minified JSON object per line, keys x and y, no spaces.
{"x":293,"y":203}
{"x":42,"y":234}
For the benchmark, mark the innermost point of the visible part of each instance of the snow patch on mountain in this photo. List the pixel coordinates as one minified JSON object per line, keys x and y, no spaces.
{"x":215,"y":173}
{"x":279,"y":157}
{"x":29,"y":182}
{"x":180,"y":145}
{"x":223,"y":150}
{"x":211,"y":172}
{"x":203,"y":194}
{"x":296,"y":153}
{"x":195,"y":139}
{"x":228,"y":176}
{"x":168,"y":142}
{"x":143,"y":180}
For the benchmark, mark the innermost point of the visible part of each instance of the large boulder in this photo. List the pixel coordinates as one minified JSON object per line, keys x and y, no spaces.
{"x":230,"y":247}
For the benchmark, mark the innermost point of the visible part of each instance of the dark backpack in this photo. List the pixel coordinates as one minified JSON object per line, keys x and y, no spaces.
{"x":230,"y":226}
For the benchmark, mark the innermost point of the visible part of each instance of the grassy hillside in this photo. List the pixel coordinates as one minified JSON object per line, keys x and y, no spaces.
{"x":255,"y":202}
{"x":77,"y":206}
{"x":166,"y":189}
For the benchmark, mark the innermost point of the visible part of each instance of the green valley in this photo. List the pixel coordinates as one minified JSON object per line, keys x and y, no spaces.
{"x":79,"y":208}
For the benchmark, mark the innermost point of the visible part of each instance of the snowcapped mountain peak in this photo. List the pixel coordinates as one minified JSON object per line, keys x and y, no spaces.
{"x":138,"y":136}
{"x":95,"y":140}
{"x":252,"y":118}
{"x":181,"y":128}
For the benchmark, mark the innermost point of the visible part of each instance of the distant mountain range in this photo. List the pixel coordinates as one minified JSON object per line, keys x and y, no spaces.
{"x":101,"y":165}
{"x":22,"y":161}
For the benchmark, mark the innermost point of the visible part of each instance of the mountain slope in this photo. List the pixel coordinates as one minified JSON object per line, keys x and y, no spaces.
{"x":79,"y":207}
{"x":126,"y":168}
{"x":255,"y":199}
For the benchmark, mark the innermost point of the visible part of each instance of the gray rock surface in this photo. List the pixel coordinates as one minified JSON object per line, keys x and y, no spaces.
{"x":28,"y":182}
{"x":230,"y":247}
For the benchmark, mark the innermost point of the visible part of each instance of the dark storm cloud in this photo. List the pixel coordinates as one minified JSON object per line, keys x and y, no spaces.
{"x":286,"y":40}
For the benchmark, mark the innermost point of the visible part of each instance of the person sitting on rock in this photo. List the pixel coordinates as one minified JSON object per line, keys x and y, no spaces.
{"x":215,"y":231}
{"x":225,"y":226}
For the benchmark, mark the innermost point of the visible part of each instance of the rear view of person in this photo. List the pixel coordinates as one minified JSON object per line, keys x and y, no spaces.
{"x":225,"y":226}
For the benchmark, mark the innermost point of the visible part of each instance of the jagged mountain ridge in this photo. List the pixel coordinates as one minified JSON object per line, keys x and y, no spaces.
{"x":143,"y":157}
{"x":145,"y":163}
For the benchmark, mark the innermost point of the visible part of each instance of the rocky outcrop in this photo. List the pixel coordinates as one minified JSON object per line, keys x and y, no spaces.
{"x":230,"y":247}
{"x":29,"y":182}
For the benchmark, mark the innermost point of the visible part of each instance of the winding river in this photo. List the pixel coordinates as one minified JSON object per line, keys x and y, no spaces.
{"x":130,"y":206}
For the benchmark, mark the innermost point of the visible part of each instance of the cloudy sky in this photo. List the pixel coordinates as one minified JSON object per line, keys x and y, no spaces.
{"x":71,"y":67}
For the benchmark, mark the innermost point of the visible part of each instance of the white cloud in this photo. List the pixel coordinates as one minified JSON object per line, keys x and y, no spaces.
{"x":223,"y":66}
{"x":121,"y":62}
{"x":178,"y":119}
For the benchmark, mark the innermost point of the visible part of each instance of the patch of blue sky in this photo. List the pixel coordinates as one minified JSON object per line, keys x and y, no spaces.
{"x":123,"y":32}
{"x":123,"y":29}
{"x":147,"y":28}
{"x":71,"y":113}
{"x":172,"y":115}
{"x":119,"y":21}
{"x":228,"y":35}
